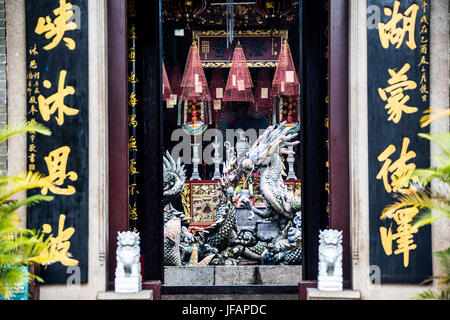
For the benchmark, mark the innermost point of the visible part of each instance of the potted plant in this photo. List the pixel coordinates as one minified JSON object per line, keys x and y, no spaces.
{"x":20,"y":247}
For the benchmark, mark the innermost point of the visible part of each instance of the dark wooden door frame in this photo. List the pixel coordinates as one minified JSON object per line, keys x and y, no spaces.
{"x":338,"y":127}
{"x":117,"y":127}
{"x":338,"y":134}
{"x":118,"y":135}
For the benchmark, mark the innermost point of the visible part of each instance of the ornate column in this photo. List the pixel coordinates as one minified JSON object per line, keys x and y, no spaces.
{"x":217,"y":160}
{"x":290,"y":160}
{"x":195,"y":161}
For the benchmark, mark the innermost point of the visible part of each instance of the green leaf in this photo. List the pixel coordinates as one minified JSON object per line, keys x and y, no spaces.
{"x":23,"y":127}
{"x":442,"y":139}
{"x":30,"y":201}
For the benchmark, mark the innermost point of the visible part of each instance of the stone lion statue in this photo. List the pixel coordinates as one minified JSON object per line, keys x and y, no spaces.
{"x":330,"y":256}
{"x":127,"y":254}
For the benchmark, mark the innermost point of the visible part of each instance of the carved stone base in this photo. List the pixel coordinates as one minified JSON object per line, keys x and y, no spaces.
{"x":327,"y":283}
{"x":126,"y":285}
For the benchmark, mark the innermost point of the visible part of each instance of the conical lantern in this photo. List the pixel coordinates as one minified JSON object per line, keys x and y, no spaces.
{"x":286,"y":90}
{"x":263,"y":100}
{"x":285,"y":81}
{"x":239,"y":84}
{"x":193,"y":83}
{"x":167,"y":90}
{"x":194,"y":100}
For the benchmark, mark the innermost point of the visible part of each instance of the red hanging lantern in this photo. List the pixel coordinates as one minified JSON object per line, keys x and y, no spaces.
{"x":195,"y":95}
{"x":285,"y":81}
{"x":239,"y":84}
{"x":193,"y":83}
{"x":286,"y":90}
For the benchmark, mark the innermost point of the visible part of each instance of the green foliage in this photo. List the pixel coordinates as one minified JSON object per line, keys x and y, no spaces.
{"x":10,"y":130}
{"x":433,"y":205}
{"x":443,"y":281}
{"x":18,"y":246}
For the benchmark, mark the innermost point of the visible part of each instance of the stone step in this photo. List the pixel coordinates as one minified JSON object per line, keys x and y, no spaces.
{"x":232,"y":275}
{"x":111,"y":295}
{"x":315,"y":294}
{"x":230,"y":297}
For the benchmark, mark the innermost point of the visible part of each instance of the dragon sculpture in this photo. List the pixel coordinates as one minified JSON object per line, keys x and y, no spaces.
{"x":174,"y":177}
{"x":223,"y":243}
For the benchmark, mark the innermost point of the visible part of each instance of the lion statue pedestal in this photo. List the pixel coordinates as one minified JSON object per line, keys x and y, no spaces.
{"x":128,"y":269}
{"x":330,"y":261}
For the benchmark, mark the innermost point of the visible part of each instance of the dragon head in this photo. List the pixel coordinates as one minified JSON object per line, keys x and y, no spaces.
{"x":174,"y":177}
{"x":274,"y":141}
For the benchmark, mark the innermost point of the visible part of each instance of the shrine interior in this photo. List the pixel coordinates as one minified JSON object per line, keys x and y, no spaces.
{"x":219,"y":86}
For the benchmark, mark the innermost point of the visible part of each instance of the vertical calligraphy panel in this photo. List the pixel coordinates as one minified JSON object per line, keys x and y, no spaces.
{"x":135,"y":124}
{"x":57,"y":95}
{"x":398,"y":96}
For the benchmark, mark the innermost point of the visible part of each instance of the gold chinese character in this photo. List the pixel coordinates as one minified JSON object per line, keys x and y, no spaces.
{"x":33,"y":110}
{"x":424,"y":20}
{"x":423,"y":61}
{"x":133,"y":100}
{"x":33,"y":75}
{"x":400,"y":172}
{"x":424,"y":6}
{"x":404,"y":235}
{"x":48,"y":106}
{"x":132,"y":144}
{"x":423,"y":88}
{"x":32,"y":158}
{"x":132,"y":78}
{"x":57,"y":166}
{"x":58,"y":250}
{"x":32,"y":100}
{"x":396,"y":101}
{"x":56,"y":29}
{"x":132,"y":121}
{"x":423,"y":49}
{"x":390,"y":33}
{"x":32,"y":148}
{"x":132,"y":55}
{"x":33,"y":64}
{"x":424,"y":29}
{"x":33,"y":51}
{"x":132,"y":33}
{"x":133,"y":169}
{"x":133,"y":212}
{"x":133,"y":190}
